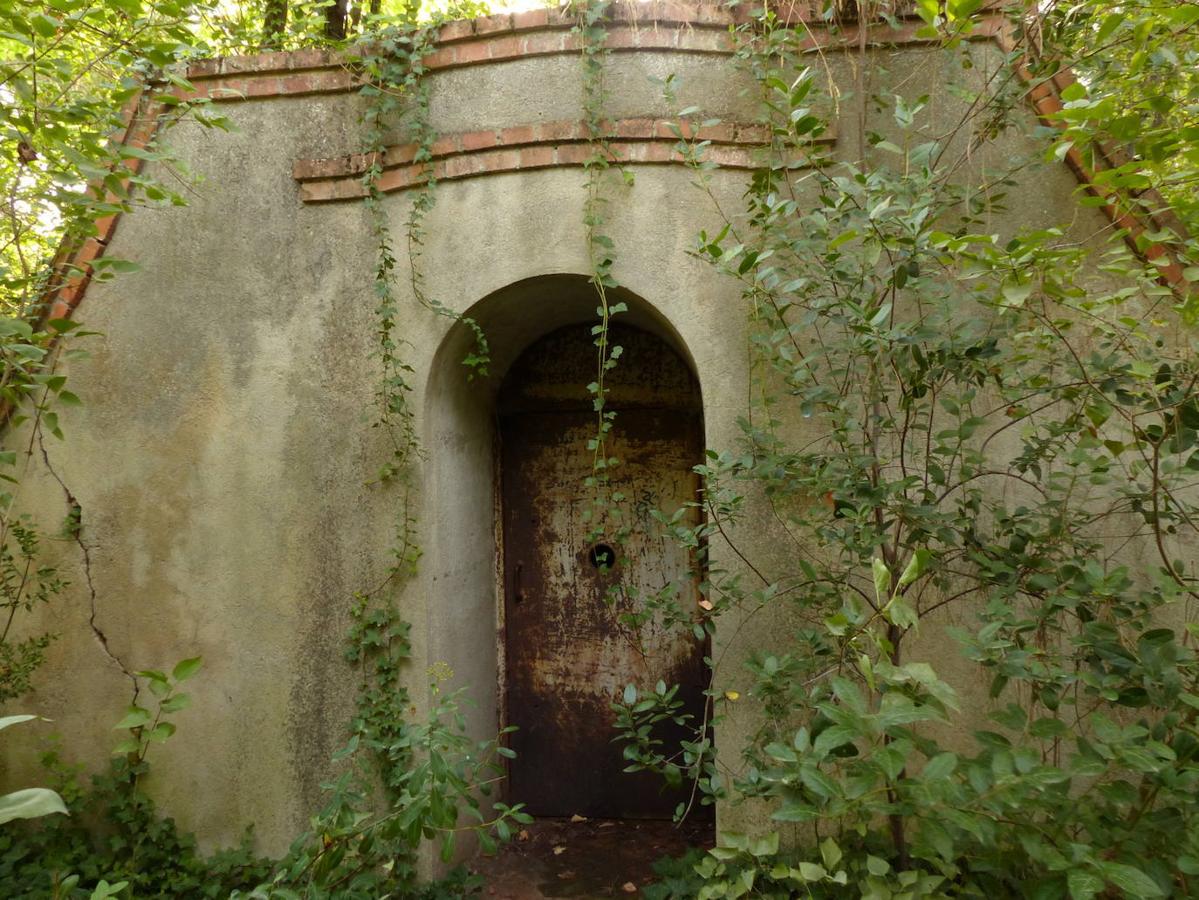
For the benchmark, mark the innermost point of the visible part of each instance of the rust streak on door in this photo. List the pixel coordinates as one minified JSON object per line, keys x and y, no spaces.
{"x":569,"y":652}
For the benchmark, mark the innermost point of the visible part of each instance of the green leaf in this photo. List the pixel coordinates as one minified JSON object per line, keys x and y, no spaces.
{"x":135,"y":717}
{"x":6,"y":721}
{"x":1073,"y":91}
{"x":882,"y":580}
{"x":1015,"y":293}
{"x":830,"y":853}
{"x":940,"y":766}
{"x":30,"y":803}
{"x":1108,"y":28}
{"x":916,"y":567}
{"x":767,"y":845}
{"x":175,"y":703}
{"x":1084,"y":884}
{"x":1131,"y":880}
{"x":187,"y":668}
{"x":810,"y":871}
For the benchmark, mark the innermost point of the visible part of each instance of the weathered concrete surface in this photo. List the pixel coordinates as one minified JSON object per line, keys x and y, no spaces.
{"x":223,"y":457}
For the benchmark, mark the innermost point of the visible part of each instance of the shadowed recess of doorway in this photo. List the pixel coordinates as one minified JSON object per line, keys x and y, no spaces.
{"x":577,"y":630}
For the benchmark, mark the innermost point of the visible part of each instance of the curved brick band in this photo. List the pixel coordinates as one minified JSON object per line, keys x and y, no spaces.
{"x":541,"y":146}
{"x":634,"y":27}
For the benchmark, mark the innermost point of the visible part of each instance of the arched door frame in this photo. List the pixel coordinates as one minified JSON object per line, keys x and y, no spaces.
{"x":462,"y":577}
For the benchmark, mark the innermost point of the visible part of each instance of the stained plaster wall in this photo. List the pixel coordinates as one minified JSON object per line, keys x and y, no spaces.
{"x":224,"y":454}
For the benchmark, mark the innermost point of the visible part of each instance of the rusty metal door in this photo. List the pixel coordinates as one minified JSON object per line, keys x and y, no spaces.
{"x":568,"y":653}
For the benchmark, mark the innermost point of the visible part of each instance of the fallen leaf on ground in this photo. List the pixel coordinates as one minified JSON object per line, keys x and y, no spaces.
{"x":567,"y":875}
{"x":558,"y":851}
{"x":522,"y":835}
{"x":629,"y":888}
{"x":576,"y":818}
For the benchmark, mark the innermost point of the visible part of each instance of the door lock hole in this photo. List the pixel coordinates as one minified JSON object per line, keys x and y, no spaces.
{"x":602,"y":557}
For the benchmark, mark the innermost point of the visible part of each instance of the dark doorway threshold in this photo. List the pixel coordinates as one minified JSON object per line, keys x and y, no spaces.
{"x":588,"y":858}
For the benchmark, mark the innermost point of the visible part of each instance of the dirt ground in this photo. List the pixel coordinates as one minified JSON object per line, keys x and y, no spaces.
{"x":588,"y":858}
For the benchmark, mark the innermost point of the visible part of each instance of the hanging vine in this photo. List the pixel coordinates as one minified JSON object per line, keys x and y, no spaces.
{"x":590,"y":27}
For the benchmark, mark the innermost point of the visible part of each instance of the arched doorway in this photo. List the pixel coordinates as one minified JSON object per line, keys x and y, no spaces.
{"x":569,"y":647}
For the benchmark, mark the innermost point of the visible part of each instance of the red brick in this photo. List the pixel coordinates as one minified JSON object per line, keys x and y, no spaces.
{"x":1041,"y":90}
{"x":1047,"y":106}
{"x":72,"y":292}
{"x":536,"y":157}
{"x":721,"y":133}
{"x":530,"y":19}
{"x":560,"y":17}
{"x":663,"y":130}
{"x":444,"y":58}
{"x":705,"y":41}
{"x":204,"y":68}
{"x":560,"y":131}
{"x":706,"y":14}
{"x":760,"y":134}
{"x":519,"y":134}
{"x":396,"y":155}
{"x":89,"y":251}
{"x":229,"y":89}
{"x":398,"y":179}
{"x":479,"y":140}
{"x":263,"y":87}
{"x":443,"y":146}
{"x":546,"y":43}
{"x":493,"y":24}
{"x":60,"y":310}
{"x":507,"y":47}
{"x":574,"y":154}
{"x":660,"y":153}
{"x":458,"y":30}
{"x":1063,"y":78}
{"x":502,"y":161}
{"x":473,"y":52}
{"x":105,"y":227}
{"x":200,"y":91}
{"x":310,"y":59}
{"x":462,"y":166}
{"x":296,"y":84}
{"x":635,"y":128}
{"x":258,"y":62}
{"x":733,"y":157}
{"x":335,"y":80}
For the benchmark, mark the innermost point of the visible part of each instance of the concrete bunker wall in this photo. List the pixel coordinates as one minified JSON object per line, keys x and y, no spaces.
{"x":223,"y":457}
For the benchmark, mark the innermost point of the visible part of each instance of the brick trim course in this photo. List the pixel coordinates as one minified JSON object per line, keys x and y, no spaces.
{"x":539,"y":146}
{"x":659,"y":26}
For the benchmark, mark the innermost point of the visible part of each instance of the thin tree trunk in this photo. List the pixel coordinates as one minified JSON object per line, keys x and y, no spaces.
{"x":335,"y":20}
{"x":274,"y":23}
